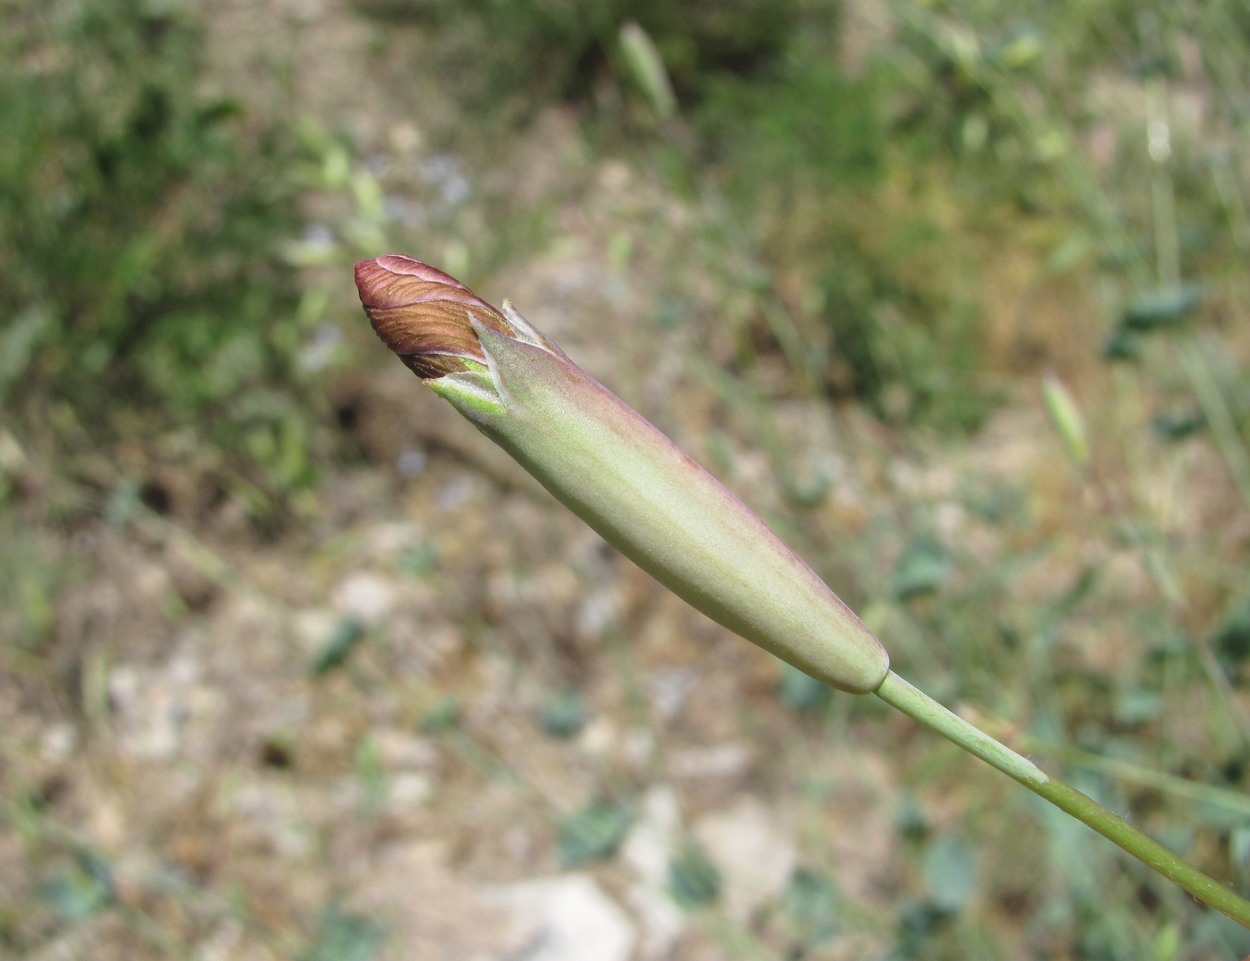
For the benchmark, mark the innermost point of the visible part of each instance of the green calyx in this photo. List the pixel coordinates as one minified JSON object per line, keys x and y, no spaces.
{"x":630,"y":483}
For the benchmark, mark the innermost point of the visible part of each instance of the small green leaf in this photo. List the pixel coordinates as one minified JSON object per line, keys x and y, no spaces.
{"x":345,"y":937}
{"x":950,"y":872}
{"x":1175,"y":427}
{"x":1239,"y":853}
{"x":123,"y":504}
{"x":922,"y":570}
{"x":342,"y":642}
{"x":1162,"y":308}
{"x":1020,"y":49}
{"x":564,"y":714}
{"x":802,"y":693}
{"x":693,"y":880}
{"x":1137,"y":706}
{"x":1232,"y":939}
{"x":1123,"y":344}
{"x":918,"y":920}
{"x":1167,"y":944}
{"x":594,"y":833}
{"x":910,"y":819}
{"x":1232,"y":638}
{"x":810,"y":901}
{"x":442,"y":717}
{"x":74,"y":897}
{"x":82,"y":891}
{"x":420,"y":560}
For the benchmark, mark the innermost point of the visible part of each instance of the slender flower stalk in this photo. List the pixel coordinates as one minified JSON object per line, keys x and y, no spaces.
{"x":643,"y":495}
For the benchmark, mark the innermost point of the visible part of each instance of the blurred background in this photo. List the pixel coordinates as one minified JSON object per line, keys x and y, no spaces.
{"x":294,"y":665}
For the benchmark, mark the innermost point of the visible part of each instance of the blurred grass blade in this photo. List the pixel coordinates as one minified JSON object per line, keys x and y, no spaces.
{"x":645,"y":67}
{"x":1067,"y":418}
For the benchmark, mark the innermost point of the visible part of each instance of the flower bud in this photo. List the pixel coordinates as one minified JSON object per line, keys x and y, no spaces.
{"x":616,"y":471}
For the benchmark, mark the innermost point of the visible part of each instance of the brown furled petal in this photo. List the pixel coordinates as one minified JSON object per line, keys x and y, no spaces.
{"x":398,"y":270}
{"x":424,"y":315}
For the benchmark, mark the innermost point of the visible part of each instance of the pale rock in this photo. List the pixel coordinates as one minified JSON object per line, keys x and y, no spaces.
{"x":753,"y":853}
{"x":398,"y":749}
{"x":638,"y":748}
{"x":387,"y":541}
{"x":599,"y":737}
{"x":164,"y":712}
{"x":597,"y":611}
{"x":717,"y":761}
{"x":667,"y":689}
{"x":432,"y":913}
{"x":564,"y":919}
{"x":408,"y":789}
{"x":312,"y":626}
{"x":366,"y":597}
{"x":59,"y":741}
{"x":648,"y":851}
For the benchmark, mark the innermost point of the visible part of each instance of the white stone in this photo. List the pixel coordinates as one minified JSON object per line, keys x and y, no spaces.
{"x":58,"y":742}
{"x":753,"y":853}
{"x":365,"y":596}
{"x":311,"y":626}
{"x":719,"y":760}
{"x":598,"y":611}
{"x":408,"y":789}
{"x":564,"y":919}
{"x":648,"y":850}
{"x":163,"y":712}
{"x":402,"y":750}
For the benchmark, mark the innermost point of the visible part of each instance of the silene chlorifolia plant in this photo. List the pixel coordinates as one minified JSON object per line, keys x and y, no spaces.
{"x":616,"y":471}
{"x":628,"y":481}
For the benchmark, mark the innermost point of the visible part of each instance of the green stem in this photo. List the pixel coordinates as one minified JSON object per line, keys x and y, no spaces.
{"x":919,"y":706}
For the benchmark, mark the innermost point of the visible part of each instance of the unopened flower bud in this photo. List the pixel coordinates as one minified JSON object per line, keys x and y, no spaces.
{"x":616,"y":471}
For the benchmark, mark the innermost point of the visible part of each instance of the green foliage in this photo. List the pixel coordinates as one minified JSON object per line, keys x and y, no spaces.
{"x":801,"y":693}
{"x":443,"y":717}
{"x":1162,"y":308}
{"x":82,"y":891}
{"x":810,"y":903}
{"x":859,"y":212}
{"x":950,"y":872}
{"x":342,"y":936}
{"x":923,"y":568}
{"x":809,"y":125}
{"x":139,"y":224}
{"x":593,"y":833}
{"x":564,"y":714}
{"x":347,"y":634}
{"x":806,"y":158}
{"x":528,"y":54}
{"x":1232,"y":639}
{"x":693,"y":880}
